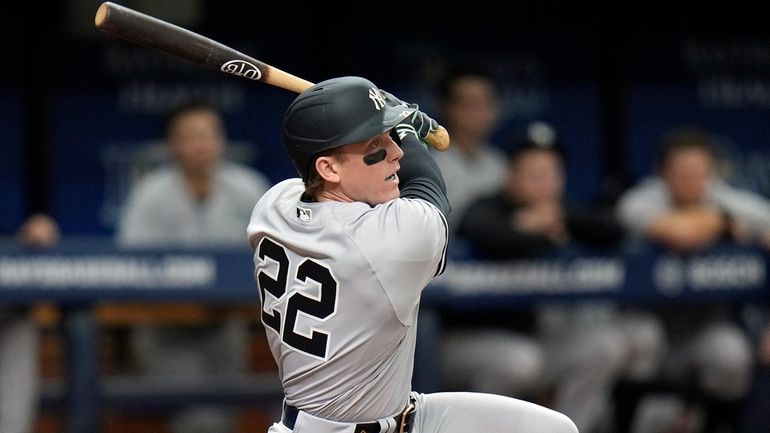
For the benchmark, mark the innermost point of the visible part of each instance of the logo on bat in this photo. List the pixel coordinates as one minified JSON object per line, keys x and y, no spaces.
{"x":242,"y":68}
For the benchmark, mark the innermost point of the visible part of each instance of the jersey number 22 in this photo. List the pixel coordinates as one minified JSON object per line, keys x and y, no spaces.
{"x":321,"y":308}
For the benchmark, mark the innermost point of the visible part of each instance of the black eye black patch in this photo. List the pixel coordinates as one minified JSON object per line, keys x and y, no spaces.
{"x":374,"y":158}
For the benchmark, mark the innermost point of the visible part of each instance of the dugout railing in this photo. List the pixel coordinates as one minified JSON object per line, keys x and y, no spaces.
{"x":79,"y":273}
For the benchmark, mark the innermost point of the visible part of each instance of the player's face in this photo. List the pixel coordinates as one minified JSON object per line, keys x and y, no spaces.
{"x":367,"y":170}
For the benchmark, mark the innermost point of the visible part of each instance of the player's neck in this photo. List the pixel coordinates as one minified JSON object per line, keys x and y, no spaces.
{"x":333,"y":195}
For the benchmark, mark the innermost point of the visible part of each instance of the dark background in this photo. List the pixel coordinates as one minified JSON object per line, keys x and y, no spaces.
{"x":80,"y":110}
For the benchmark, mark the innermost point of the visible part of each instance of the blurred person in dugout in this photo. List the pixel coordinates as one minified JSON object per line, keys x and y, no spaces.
{"x":469,"y":108}
{"x":574,"y":352}
{"x":198,"y":200}
{"x":687,"y":208}
{"x":19,"y":363}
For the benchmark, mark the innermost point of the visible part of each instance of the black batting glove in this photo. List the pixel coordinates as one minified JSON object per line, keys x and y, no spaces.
{"x":421,"y":124}
{"x":403,"y":129}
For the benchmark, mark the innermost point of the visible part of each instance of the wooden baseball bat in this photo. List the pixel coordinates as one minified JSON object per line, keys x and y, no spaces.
{"x":163,"y":36}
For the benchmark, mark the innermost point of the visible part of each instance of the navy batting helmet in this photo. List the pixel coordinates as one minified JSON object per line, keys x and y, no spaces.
{"x":334,"y":113}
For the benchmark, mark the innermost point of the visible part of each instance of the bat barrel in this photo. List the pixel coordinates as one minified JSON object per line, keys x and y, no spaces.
{"x":163,"y":36}
{"x":156,"y":34}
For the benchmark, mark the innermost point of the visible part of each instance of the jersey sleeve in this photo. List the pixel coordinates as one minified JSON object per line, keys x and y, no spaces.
{"x":639,"y":206}
{"x":420,"y":175}
{"x":752,"y":210}
{"x":405,"y":242}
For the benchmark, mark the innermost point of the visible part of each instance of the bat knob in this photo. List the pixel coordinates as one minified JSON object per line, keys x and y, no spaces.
{"x":438,"y":139}
{"x":102,"y":14}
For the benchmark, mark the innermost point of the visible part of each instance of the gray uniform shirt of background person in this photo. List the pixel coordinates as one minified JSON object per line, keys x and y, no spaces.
{"x":340,"y":285}
{"x":161,"y":211}
{"x":639,"y":206}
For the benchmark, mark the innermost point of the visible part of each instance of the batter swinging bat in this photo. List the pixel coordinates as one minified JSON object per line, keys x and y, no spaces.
{"x":160,"y":35}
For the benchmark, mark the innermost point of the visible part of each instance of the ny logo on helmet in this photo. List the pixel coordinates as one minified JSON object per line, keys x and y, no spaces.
{"x":377,"y":98}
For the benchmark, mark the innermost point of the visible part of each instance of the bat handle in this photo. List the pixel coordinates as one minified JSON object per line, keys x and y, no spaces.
{"x":438,"y":139}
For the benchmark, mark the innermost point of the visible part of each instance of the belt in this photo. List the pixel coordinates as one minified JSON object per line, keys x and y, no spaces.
{"x":404,"y":420}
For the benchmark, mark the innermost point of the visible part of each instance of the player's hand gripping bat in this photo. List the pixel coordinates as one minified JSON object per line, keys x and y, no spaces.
{"x":160,"y":35}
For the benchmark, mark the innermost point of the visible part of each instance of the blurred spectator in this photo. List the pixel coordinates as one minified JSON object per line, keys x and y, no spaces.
{"x":686,"y":208}
{"x":199,"y":200}
{"x":19,"y":361}
{"x":469,"y":110}
{"x":531,"y":209}
{"x":578,"y":351}
{"x":39,"y":231}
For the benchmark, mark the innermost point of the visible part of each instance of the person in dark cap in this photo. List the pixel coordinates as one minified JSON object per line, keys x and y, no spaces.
{"x":576,"y":351}
{"x":529,"y":216}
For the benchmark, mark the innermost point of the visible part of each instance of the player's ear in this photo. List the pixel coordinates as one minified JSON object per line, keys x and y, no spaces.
{"x":326,"y":166}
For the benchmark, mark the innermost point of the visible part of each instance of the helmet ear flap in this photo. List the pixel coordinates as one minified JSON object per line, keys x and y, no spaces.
{"x":334,"y":113}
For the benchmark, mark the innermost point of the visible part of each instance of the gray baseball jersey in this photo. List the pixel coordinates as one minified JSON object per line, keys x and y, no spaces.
{"x":340,"y":285}
{"x":161,"y":211}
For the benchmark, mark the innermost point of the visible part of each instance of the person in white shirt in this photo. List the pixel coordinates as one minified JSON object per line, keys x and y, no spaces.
{"x":198,"y":200}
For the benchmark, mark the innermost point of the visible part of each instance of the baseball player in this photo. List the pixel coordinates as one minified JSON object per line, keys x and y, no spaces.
{"x":341,"y":257}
